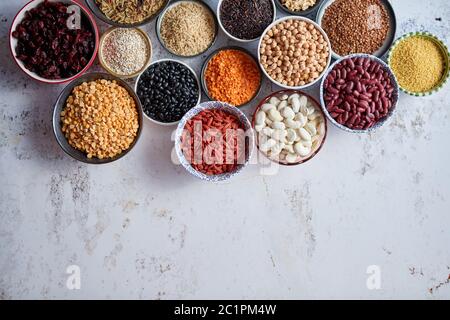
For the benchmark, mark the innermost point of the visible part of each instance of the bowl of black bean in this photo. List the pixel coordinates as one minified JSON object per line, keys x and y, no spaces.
{"x":168,"y":89}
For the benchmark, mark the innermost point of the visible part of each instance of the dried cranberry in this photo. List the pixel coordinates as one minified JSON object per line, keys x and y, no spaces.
{"x":48,"y":47}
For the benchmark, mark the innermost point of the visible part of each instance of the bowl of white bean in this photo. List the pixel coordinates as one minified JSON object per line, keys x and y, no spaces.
{"x":290,"y":127}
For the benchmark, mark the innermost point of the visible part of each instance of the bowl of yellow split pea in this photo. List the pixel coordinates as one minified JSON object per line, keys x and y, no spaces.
{"x":420,"y":62}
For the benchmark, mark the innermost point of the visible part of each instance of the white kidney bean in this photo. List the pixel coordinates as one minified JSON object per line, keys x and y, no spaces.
{"x":290,"y":123}
{"x":284,"y":97}
{"x":311,"y":128}
{"x":295,"y":102}
{"x":279,"y":135}
{"x":291,"y":135}
{"x":275,"y":115}
{"x":282,"y":105}
{"x":304,"y":134}
{"x":267,"y":106}
{"x":259,"y":127}
{"x":287,"y":113}
{"x":267,"y":131}
{"x":301,"y":150}
{"x":291,"y":158}
{"x":260,"y":117}
{"x":274,"y":100}
{"x":278,"y":125}
{"x":266,"y":146}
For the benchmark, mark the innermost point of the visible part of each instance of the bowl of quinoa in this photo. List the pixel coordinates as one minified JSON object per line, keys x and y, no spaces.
{"x":187,"y":28}
{"x":125,"y":52}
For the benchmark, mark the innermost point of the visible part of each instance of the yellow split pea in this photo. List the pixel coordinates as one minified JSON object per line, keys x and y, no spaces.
{"x":418,"y":63}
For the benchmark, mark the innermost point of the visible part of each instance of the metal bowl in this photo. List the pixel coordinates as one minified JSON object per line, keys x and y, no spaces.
{"x":86,"y":18}
{"x":99,"y":14}
{"x":390,"y":36}
{"x":60,"y":105}
{"x":305,"y":13}
{"x":176,"y":61}
{"x":219,"y":6}
{"x":212,"y":55}
{"x":318,"y":107}
{"x":318,"y":28}
{"x":380,"y":122}
{"x":105,"y":66}
{"x":249,"y":139}
{"x":177,"y":2}
{"x":445,"y":54}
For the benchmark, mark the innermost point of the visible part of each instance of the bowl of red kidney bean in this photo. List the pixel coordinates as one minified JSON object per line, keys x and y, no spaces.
{"x":54,"y":41}
{"x":359,"y":93}
{"x":214,"y":141}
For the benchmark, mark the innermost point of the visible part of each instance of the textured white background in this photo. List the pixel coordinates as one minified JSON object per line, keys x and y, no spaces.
{"x":143,"y":228}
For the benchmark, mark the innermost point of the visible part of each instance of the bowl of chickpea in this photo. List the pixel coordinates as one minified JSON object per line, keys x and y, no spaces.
{"x":294,"y":52}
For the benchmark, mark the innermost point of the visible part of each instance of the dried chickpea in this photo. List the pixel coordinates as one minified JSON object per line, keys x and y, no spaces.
{"x":294,"y":46}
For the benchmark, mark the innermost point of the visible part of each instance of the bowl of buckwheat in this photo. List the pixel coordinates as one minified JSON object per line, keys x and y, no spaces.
{"x":97,"y":118}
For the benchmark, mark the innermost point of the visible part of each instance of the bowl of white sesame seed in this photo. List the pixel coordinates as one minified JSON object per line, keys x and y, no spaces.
{"x":125,"y":52}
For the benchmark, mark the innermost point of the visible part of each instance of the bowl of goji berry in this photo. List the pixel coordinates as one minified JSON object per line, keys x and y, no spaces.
{"x":214,"y":141}
{"x":54,"y":41}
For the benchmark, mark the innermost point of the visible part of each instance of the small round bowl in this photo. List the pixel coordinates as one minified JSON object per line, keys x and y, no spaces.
{"x":61,"y":103}
{"x":212,"y":55}
{"x":100,"y":15}
{"x":318,"y":107}
{"x":105,"y":66}
{"x":173,"y":4}
{"x":219,"y":6}
{"x":249,"y":139}
{"x":86,"y":16}
{"x":379,"y":123}
{"x":303,"y":13}
{"x":390,"y":36}
{"x":445,"y":54}
{"x":318,"y":28}
{"x":167,"y":124}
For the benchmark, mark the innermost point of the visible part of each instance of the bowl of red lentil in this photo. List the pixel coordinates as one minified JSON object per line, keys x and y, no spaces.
{"x":60,"y":54}
{"x":294,"y":52}
{"x":89,"y":127}
{"x":127,"y":14}
{"x":214,"y":141}
{"x":358,"y":26}
{"x":125,"y":52}
{"x":420,"y":61}
{"x":232,"y":75}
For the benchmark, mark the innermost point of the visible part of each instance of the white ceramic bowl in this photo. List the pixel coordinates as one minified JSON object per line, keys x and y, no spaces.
{"x":13,"y":41}
{"x":167,"y":124}
{"x":233,"y":37}
{"x":318,"y":28}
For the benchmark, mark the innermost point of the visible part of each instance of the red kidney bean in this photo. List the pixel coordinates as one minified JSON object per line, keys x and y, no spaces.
{"x":358,"y":92}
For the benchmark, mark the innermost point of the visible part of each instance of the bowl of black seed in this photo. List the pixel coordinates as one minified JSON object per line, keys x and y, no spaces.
{"x":168,"y":89}
{"x":245,"y":21}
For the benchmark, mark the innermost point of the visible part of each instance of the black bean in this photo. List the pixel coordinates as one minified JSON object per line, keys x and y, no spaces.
{"x":167,"y":91}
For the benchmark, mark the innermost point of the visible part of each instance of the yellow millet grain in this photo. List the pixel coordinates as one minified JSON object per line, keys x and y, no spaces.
{"x":418,"y":63}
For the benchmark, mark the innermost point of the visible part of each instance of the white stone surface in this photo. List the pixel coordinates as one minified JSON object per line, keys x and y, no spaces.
{"x":143,"y":228}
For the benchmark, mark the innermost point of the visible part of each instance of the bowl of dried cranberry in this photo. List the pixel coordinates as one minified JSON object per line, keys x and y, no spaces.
{"x":214,"y":141}
{"x":54,"y":41}
{"x":359,"y":93}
